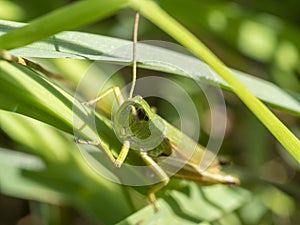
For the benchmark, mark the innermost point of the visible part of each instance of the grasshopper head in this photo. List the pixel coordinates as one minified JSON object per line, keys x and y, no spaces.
{"x":134,"y":122}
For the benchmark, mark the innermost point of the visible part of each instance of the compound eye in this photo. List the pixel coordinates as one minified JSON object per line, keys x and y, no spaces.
{"x":141,"y":114}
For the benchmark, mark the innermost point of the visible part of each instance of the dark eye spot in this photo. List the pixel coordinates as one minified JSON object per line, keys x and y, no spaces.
{"x":141,"y":114}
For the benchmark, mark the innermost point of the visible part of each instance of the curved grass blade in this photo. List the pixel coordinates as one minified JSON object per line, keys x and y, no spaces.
{"x":12,"y":164}
{"x":159,"y":17}
{"x":78,"y":45}
{"x":28,"y":176}
{"x":36,"y":31}
{"x":194,"y":205}
{"x":65,"y":18}
{"x":31,"y":96}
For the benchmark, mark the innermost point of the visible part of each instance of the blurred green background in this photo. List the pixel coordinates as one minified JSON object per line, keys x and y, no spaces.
{"x":257,"y":37}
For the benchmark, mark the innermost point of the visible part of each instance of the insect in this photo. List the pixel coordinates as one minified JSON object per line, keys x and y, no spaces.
{"x":138,"y":127}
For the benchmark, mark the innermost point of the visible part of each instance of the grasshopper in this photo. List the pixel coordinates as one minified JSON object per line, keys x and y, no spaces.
{"x":138,"y":127}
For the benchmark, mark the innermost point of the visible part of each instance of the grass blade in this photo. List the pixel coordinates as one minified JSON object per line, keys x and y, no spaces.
{"x":95,"y":47}
{"x":159,"y":17}
{"x":62,"y":177}
{"x":74,"y":15}
{"x":194,"y":205}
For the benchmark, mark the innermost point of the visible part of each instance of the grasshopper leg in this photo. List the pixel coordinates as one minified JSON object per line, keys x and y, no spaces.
{"x":220,"y":178}
{"x":123,"y":154}
{"x":116,"y":161}
{"x":98,"y":144}
{"x":126,"y":145}
{"x":159,"y":171}
{"x":117,"y":92}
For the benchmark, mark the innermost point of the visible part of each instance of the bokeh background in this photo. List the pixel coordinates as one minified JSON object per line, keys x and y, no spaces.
{"x":258,"y":37}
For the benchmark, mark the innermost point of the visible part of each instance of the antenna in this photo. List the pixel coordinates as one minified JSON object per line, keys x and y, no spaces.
{"x":135,"y":34}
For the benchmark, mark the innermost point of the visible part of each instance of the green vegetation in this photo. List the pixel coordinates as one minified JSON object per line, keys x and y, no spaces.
{"x":40,"y":164}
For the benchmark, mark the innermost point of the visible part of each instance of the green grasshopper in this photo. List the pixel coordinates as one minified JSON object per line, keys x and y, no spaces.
{"x":138,"y":127}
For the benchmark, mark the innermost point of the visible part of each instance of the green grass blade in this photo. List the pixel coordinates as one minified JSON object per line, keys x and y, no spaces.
{"x":37,"y":137}
{"x":63,"y":178}
{"x":52,"y":21}
{"x":12,"y":164}
{"x":21,"y":92}
{"x":88,"y":194}
{"x":95,"y":46}
{"x":65,"y":18}
{"x":193,"y":206}
{"x":26,"y":92}
{"x":159,"y":17}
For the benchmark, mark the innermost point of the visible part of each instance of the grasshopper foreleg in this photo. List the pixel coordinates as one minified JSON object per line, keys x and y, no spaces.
{"x":162,"y":175}
{"x":123,"y":154}
{"x":116,"y":161}
{"x":126,"y":145}
{"x":117,"y":92}
{"x":98,"y":144}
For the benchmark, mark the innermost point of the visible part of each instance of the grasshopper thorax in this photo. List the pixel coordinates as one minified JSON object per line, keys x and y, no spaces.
{"x":134,"y":122}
